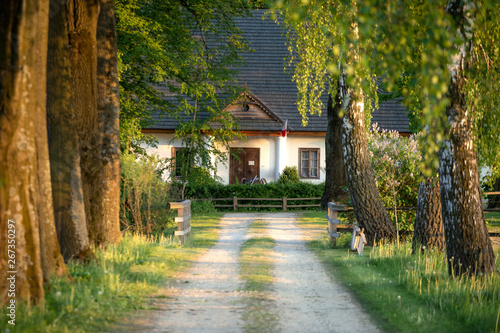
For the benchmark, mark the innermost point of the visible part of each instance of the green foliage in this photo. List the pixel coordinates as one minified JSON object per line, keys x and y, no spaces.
{"x":144,"y":196}
{"x":411,"y":44}
{"x":395,"y":161}
{"x":289,"y":175}
{"x":422,"y":41}
{"x":270,"y":190}
{"x":322,"y":48}
{"x":200,"y":207}
{"x":176,"y":58}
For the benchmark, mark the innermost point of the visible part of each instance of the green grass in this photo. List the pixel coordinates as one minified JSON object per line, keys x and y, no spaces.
{"x":256,"y":263}
{"x":493,"y":220}
{"x":123,"y":278}
{"x":409,"y":293}
{"x":256,"y":270}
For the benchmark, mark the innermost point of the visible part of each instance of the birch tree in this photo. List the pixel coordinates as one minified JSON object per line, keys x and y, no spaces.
{"x":450,"y":49}
{"x":327,"y":40}
{"x":468,"y":245}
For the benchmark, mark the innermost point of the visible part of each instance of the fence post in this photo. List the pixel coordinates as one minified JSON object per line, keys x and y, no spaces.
{"x":235,"y":203}
{"x":284,"y":204}
{"x":183,"y":219}
{"x":333,"y":208}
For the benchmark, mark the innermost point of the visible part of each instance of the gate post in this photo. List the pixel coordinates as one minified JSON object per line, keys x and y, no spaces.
{"x":183,"y":219}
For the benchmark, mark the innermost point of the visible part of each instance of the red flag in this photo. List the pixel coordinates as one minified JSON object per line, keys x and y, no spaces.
{"x":283,"y":130}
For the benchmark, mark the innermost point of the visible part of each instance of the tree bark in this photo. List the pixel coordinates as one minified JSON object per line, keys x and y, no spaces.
{"x":108,"y":105}
{"x":428,"y":228}
{"x":368,"y":206}
{"x":468,"y":245}
{"x":67,"y":191}
{"x":52,"y":260}
{"x":335,"y":170}
{"x":82,"y":31}
{"x":23,"y":26}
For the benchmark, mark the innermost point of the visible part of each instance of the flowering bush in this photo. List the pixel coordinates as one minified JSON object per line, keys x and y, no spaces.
{"x":395,"y":161}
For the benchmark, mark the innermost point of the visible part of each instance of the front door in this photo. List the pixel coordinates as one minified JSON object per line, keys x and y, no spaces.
{"x":244,"y":163}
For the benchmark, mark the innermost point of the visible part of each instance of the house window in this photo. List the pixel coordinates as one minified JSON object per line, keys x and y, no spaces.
{"x":180,"y":160}
{"x":309,"y":162}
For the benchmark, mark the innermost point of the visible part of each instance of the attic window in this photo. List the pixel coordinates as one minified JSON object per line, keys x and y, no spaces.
{"x":245,"y":106}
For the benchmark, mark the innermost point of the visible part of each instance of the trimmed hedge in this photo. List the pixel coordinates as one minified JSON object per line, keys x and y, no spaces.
{"x":271,"y":190}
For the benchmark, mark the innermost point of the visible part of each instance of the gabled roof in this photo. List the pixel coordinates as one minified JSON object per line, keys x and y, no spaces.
{"x":269,"y":84}
{"x":252,"y":114}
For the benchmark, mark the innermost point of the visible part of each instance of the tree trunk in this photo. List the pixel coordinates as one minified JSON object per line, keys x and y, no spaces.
{"x":428,"y":229}
{"x":468,"y":245}
{"x":67,"y":192}
{"x":52,"y":260}
{"x":82,"y":30}
{"x":368,"y":206}
{"x":335,"y":170}
{"x":23,"y":25}
{"x":108,"y":105}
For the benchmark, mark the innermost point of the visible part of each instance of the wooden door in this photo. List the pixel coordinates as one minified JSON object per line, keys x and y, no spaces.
{"x":244,"y":163}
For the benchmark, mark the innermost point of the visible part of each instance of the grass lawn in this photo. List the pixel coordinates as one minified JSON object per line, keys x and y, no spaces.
{"x":493,"y":220}
{"x":408,"y":293}
{"x":122,"y":279}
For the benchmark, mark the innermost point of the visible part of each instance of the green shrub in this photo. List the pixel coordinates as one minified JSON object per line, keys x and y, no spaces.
{"x":289,"y":175}
{"x":144,"y":196}
{"x":270,"y":190}
{"x":202,"y":207}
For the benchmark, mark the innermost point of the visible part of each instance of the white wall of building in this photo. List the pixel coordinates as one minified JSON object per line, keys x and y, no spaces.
{"x":268,"y":153}
{"x":296,"y":142}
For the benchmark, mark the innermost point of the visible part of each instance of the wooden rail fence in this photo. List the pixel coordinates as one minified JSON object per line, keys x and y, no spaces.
{"x":284,"y":204}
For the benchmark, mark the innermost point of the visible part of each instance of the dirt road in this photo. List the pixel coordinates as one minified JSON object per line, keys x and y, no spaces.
{"x":209,"y":297}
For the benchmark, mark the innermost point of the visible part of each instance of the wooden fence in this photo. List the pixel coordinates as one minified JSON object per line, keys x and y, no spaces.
{"x":283,"y":203}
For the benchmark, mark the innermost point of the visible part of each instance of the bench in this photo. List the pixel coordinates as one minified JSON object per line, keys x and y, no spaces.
{"x":334,"y":229}
{"x":183,"y":219}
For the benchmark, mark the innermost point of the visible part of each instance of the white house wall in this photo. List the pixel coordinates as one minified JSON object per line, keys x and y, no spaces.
{"x":268,"y":153}
{"x":296,"y":142}
{"x":164,"y":148}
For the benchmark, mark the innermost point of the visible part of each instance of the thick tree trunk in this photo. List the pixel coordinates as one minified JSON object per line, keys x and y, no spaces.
{"x":23,"y":25}
{"x":468,"y":245}
{"x":108,"y":105}
{"x":69,"y":208}
{"x":428,"y":228}
{"x":368,"y":206}
{"x":52,"y":260}
{"x":335,"y":170}
{"x":82,"y":30}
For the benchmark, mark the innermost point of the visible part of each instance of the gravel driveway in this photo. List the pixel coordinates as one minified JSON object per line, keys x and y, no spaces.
{"x":208,"y":298}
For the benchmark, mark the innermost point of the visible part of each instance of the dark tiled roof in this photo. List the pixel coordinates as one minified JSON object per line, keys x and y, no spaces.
{"x":266,"y":79}
{"x":391,"y":115}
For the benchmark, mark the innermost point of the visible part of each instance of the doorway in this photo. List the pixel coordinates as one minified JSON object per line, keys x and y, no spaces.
{"x":244,"y":163}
